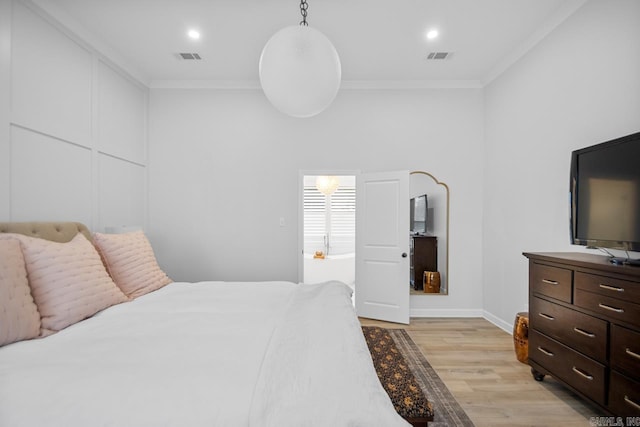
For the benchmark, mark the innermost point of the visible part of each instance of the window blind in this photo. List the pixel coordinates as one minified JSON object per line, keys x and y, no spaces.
{"x":330,"y":218}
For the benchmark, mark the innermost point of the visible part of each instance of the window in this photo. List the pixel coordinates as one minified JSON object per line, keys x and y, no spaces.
{"x":330,"y":221}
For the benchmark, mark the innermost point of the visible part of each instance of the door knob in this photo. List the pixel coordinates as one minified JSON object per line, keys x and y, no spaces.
{"x":404,"y":254}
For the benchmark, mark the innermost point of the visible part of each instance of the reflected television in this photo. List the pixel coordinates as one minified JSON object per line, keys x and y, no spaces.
{"x":418,"y":209}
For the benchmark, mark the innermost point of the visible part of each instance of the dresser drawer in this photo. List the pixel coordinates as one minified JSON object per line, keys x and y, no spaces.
{"x":551,"y":281}
{"x":615,"y":288}
{"x":580,"y":372}
{"x":625,"y":351}
{"x":579,"y":331}
{"x":613,"y":308}
{"x":624,"y":396}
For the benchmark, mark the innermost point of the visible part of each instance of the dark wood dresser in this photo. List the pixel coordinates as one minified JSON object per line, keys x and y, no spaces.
{"x":424,"y":257}
{"x":584,"y":327}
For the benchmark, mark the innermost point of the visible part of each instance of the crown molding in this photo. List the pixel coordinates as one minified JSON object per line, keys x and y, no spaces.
{"x":58,"y":17}
{"x":565,"y":11}
{"x":345,"y":84}
{"x":409,"y":84}
{"x":205,"y":84}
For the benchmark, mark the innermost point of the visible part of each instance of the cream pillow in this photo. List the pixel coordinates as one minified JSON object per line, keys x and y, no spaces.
{"x":130,"y":261}
{"x":19,"y":317}
{"x":68,"y":281}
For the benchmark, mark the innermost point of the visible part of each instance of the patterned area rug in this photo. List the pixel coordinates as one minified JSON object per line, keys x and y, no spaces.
{"x":397,"y":378}
{"x":447,"y":411}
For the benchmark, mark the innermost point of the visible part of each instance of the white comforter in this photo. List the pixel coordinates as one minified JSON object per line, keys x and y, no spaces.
{"x":202,"y":354}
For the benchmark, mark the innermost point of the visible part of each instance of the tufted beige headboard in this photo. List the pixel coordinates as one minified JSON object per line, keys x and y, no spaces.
{"x":55,"y":231}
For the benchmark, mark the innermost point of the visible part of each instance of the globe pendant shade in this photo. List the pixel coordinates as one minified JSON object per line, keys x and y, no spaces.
{"x":327,"y":185}
{"x":300,"y":71}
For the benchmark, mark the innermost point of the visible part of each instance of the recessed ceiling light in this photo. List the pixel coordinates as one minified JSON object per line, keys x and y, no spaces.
{"x":193,"y":34}
{"x":432,"y":34}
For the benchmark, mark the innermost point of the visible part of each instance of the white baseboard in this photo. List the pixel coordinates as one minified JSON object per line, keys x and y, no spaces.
{"x":435,"y":312}
{"x":444,"y":312}
{"x":507,"y":327}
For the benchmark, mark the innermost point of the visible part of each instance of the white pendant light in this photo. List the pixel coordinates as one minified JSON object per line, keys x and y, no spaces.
{"x":327,"y":185}
{"x":300,"y":69}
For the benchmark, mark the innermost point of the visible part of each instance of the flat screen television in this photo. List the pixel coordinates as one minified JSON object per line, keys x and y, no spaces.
{"x":418,"y":214}
{"x":605,"y":195}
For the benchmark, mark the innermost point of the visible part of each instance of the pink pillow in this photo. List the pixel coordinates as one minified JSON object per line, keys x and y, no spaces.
{"x":68,"y":281}
{"x":130,"y":261}
{"x":19,"y":317}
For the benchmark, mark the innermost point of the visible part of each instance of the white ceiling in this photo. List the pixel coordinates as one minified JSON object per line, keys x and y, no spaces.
{"x":377,"y":40}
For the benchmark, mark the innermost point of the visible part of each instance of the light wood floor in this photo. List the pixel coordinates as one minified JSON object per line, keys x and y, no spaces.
{"x":477,"y":362}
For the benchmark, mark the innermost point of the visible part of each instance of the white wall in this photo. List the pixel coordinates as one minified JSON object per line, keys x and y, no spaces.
{"x":224,"y":166}
{"x":578,"y":87}
{"x":73,"y":139}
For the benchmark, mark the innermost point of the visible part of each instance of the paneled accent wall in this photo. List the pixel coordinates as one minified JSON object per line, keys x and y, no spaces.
{"x":5,"y":89}
{"x":74,"y":127}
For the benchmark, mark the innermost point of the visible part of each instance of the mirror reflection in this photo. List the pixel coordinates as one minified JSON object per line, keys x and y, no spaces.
{"x":429,"y":234}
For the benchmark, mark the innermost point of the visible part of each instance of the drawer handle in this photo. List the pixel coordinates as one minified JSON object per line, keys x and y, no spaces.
{"x":611,"y":288}
{"x":608,"y":307}
{"x":632,"y":353}
{"x":547,"y":352}
{"x":585,"y":333}
{"x":582,"y":374}
{"x":631,"y":402}
{"x":546,"y":316}
{"x":549,"y":282}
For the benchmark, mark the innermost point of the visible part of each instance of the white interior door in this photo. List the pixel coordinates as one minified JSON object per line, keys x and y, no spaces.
{"x":382,"y":246}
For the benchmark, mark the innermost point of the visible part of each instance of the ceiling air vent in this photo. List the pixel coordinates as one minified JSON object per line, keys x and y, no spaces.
{"x":189,"y":56}
{"x":438,"y":55}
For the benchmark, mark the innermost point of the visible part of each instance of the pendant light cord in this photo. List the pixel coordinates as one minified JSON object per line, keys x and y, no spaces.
{"x":303,"y":11}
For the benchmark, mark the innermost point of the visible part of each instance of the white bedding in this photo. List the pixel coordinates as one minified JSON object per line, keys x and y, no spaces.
{"x":202,"y":354}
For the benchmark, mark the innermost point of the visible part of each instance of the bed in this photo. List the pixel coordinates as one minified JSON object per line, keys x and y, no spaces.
{"x":182,"y":354}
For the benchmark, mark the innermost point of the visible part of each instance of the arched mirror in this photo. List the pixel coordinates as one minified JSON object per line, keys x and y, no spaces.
{"x":429,"y":234}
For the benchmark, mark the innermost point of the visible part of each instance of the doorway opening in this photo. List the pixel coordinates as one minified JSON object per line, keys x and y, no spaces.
{"x":328,"y":228}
